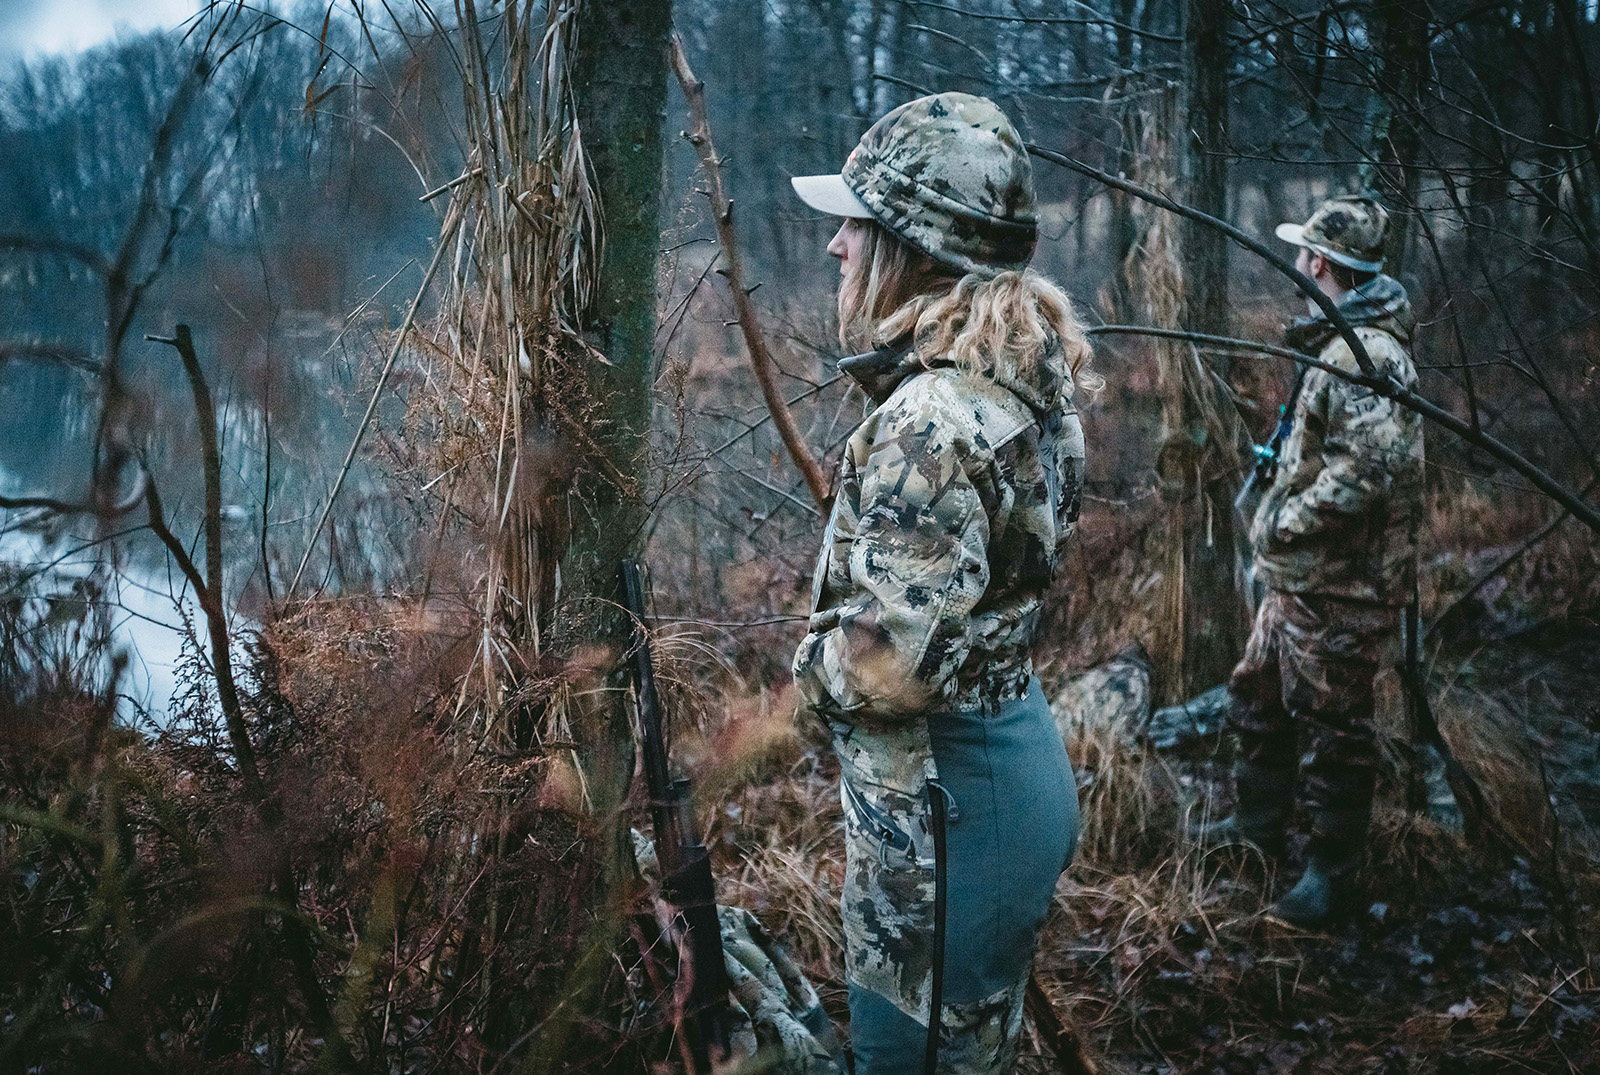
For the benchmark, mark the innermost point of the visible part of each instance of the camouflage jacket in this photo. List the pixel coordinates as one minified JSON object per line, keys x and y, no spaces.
{"x":1342,"y":514}
{"x":953,"y":501}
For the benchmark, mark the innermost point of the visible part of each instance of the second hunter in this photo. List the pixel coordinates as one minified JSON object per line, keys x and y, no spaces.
{"x":954,"y":499}
{"x":1335,"y":542}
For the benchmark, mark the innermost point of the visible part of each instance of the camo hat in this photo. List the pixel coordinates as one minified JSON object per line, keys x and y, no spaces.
{"x":1349,"y":229}
{"x":947,"y":174}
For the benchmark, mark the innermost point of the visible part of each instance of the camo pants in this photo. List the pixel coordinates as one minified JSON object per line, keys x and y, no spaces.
{"x":1310,"y":663}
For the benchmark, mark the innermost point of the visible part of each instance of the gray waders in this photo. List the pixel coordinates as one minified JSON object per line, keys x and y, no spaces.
{"x":1003,"y":817}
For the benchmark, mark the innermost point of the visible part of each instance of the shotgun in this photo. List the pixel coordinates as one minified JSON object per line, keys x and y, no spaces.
{"x":686,"y":883}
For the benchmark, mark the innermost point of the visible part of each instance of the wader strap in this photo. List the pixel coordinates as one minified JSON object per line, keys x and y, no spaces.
{"x":937,"y":804}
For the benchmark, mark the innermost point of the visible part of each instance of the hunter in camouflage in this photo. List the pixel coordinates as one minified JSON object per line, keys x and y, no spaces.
{"x":1335,"y":542}
{"x":954,"y":498}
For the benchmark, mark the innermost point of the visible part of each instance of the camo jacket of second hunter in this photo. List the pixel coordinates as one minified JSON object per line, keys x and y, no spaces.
{"x":1342,"y":515}
{"x":954,"y":498}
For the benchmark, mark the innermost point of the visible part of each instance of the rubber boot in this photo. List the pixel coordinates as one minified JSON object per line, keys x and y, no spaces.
{"x":1266,"y":799}
{"x":1332,"y":859}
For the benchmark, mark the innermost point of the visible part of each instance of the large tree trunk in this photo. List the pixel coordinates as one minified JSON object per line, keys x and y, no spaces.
{"x":621,"y":72}
{"x":620,"y":75}
{"x":1213,"y":614}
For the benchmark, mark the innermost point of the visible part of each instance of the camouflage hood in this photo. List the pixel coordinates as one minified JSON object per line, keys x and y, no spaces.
{"x":1043,"y":385}
{"x":1380,"y":303}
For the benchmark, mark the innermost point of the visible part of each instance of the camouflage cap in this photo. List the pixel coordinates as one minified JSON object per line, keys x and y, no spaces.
{"x":946,"y":173}
{"x":1349,"y":229}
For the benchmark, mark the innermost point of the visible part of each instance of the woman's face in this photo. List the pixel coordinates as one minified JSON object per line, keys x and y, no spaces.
{"x":847,"y":246}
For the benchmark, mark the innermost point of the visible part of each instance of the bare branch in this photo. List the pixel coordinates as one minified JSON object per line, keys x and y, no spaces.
{"x":208,"y":590}
{"x":1329,"y":308}
{"x":65,"y":354}
{"x":32,"y":244}
{"x":1390,"y":389}
{"x":454,"y":218}
{"x":68,"y":507}
{"x":1094,"y":19}
{"x":755,"y":342}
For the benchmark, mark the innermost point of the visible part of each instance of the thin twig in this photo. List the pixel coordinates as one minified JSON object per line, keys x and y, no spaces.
{"x":377,"y":392}
{"x":457,"y":181}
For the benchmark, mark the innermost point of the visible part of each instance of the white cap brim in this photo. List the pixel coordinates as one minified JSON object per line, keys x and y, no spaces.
{"x":830,"y":194}
{"x":1296,"y":234}
{"x":1293,"y":233}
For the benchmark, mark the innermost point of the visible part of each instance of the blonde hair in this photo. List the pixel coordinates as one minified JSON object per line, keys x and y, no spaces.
{"x":1002,"y":323}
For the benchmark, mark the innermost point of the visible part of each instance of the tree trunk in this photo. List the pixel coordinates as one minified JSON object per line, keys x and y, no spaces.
{"x":1205,"y":168}
{"x":1401,"y":30}
{"x":620,"y":73}
{"x":1122,"y":231}
{"x":621,"y":69}
{"x":1213,"y":614}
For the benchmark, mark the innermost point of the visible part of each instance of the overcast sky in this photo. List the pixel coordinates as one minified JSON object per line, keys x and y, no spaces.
{"x":34,"y":27}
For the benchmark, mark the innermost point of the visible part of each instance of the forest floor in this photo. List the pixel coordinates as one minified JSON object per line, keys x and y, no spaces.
{"x":1463,"y":956}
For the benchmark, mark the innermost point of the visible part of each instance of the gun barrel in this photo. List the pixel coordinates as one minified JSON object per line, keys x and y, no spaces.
{"x":666,"y":796}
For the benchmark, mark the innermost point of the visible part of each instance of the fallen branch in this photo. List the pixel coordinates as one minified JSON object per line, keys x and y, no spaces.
{"x":1388,"y":388}
{"x":699,"y":136}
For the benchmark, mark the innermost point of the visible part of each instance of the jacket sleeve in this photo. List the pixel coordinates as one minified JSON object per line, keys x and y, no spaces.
{"x":1361,"y":431}
{"x":918,"y":564}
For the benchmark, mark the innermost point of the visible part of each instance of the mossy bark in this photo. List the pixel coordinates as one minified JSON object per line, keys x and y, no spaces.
{"x":620,"y":73}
